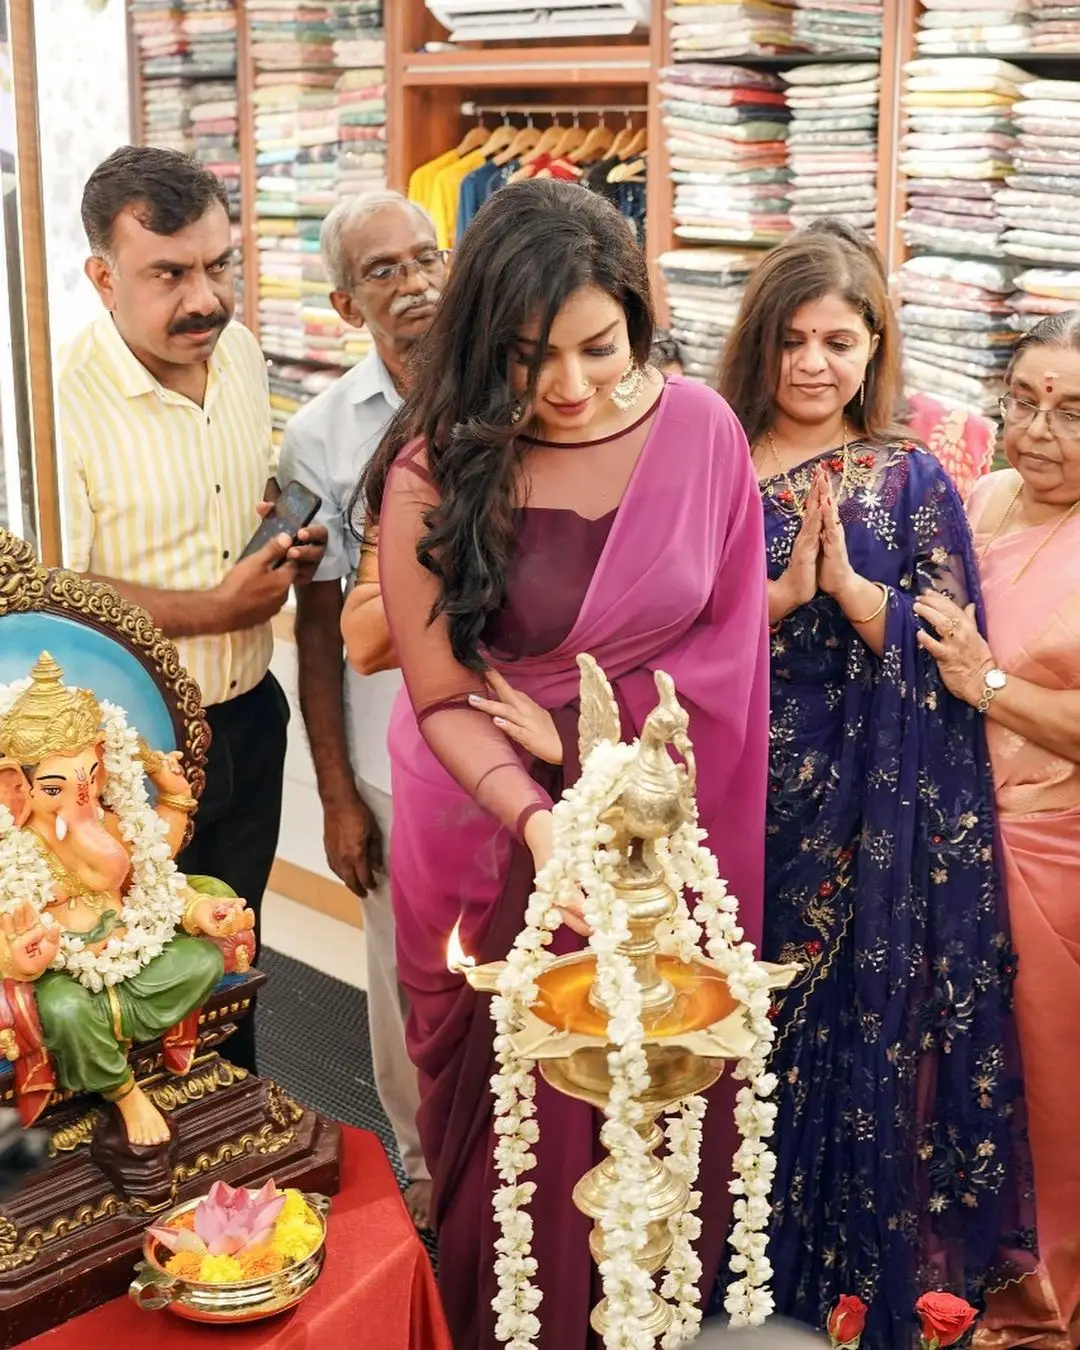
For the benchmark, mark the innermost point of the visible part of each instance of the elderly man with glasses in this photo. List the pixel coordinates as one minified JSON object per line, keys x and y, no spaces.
{"x":386,"y":270}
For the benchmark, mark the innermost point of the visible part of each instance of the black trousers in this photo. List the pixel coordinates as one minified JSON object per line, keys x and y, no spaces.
{"x":236,"y":828}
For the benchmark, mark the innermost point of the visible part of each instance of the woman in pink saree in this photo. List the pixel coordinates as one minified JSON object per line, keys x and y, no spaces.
{"x":545,"y":493}
{"x":1026,"y":678}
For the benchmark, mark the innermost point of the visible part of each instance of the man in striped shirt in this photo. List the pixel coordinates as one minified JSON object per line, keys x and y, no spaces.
{"x":167,"y":457}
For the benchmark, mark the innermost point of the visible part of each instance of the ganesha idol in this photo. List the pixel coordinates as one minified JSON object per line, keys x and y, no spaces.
{"x":103,"y":943}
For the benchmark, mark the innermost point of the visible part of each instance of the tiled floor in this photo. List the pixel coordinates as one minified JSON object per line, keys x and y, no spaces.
{"x":335,"y":948}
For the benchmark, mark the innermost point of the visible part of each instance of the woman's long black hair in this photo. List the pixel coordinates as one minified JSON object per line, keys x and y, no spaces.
{"x":528,"y":249}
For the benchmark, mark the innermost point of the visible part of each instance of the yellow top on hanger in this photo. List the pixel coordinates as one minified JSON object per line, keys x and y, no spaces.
{"x":444,"y":196}
{"x":422,"y":180}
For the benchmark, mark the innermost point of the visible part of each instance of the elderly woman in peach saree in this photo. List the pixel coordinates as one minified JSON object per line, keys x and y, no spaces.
{"x":1025,"y":676}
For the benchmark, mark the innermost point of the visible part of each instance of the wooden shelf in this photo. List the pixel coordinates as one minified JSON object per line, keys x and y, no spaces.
{"x":526,"y":67}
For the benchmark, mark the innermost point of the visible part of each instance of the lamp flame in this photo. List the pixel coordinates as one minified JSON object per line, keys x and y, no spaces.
{"x":456,"y":959}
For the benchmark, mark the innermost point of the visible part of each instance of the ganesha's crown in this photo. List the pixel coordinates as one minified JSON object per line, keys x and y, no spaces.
{"x":49,"y":718}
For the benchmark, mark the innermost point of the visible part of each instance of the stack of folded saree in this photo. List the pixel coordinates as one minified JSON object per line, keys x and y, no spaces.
{"x":215,"y":134}
{"x":166,"y":114}
{"x":1038,"y":202}
{"x":358,"y":37}
{"x":1042,"y":291}
{"x":360,"y":97}
{"x":290,"y":286}
{"x":832,"y":142}
{"x":1055,"y":26}
{"x":957,"y":319}
{"x":187,"y":54}
{"x":726,"y":128}
{"x":839,"y":25}
{"x":962,"y":27}
{"x":703,"y":30}
{"x":320,"y":136}
{"x":209,"y":30}
{"x":194,"y":38}
{"x":158,"y":29}
{"x":292,"y":384}
{"x":703,"y":287}
{"x":292,"y":34}
{"x":956,"y":153}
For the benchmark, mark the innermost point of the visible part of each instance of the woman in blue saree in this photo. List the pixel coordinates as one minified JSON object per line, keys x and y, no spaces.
{"x":902,"y":1162}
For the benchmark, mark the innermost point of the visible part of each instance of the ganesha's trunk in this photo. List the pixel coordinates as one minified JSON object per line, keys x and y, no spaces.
{"x":97,"y":853}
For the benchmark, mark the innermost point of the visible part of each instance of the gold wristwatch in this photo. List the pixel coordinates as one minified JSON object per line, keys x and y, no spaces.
{"x":993,"y":680}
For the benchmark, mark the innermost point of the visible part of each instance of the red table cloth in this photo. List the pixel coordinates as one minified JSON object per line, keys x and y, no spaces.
{"x":377,"y":1275}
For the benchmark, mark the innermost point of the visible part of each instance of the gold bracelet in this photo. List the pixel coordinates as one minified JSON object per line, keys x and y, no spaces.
{"x":177,"y":803}
{"x":884,"y":601}
{"x":186,"y":921}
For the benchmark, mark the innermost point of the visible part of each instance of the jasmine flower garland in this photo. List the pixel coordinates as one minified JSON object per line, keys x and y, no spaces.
{"x":154,"y":904}
{"x":584,"y":866}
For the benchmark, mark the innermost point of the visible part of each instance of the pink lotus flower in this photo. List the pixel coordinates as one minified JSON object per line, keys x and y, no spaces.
{"x":227,"y":1221}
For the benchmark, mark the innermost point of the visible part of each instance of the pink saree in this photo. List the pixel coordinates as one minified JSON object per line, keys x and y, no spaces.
{"x":680,"y":587}
{"x":1034,"y":631}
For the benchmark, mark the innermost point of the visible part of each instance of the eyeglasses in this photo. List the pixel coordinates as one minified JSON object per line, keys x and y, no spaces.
{"x":1019,"y":413}
{"x":432,"y":262}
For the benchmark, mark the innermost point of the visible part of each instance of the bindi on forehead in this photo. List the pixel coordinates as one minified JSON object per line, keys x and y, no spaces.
{"x":1049,"y":379}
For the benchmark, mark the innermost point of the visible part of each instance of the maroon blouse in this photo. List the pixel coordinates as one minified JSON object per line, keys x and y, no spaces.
{"x":571,"y":497}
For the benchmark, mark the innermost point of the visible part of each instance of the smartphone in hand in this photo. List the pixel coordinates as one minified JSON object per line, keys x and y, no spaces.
{"x":296,"y":507}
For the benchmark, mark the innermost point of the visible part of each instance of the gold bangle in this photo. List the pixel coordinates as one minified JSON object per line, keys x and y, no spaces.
{"x":884,"y":601}
{"x":177,"y":803}
{"x":186,"y":921}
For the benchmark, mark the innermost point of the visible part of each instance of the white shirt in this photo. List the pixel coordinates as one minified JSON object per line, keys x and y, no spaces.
{"x":326,"y":447}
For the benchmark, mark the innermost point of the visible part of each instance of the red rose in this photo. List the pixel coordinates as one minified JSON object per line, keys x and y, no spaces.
{"x":944,"y":1318}
{"x":847,"y":1319}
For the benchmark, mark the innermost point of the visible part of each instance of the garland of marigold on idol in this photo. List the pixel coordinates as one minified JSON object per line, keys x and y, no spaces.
{"x":584,"y":865}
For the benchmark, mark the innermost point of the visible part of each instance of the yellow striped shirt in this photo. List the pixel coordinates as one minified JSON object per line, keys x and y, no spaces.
{"x":160,"y":492}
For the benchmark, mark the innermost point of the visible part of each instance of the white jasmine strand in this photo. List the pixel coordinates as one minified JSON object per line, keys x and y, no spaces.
{"x":581,"y":873}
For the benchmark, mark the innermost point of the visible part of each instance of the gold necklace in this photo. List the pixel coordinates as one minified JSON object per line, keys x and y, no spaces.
{"x":790,"y":498}
{"x":1038,"y":547}
{"x":73,"y":886}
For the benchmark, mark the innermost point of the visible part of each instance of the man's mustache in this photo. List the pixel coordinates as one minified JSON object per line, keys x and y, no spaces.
{"x":404,"y":303}
{"x":198,"y":323}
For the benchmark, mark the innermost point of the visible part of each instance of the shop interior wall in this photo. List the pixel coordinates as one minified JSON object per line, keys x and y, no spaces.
{"x":83,"y":115}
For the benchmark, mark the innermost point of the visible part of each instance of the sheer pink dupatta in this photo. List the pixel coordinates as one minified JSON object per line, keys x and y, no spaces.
{"x":680,"y":587}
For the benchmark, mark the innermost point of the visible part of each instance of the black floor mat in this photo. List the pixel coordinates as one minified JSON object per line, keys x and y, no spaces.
{"x":313,"y":1040}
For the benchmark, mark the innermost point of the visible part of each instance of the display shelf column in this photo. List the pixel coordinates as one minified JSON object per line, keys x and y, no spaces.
{"x":41,"y":493}
{"x":659,"y":226}
{"x":249,"y":247}
{"x":898,"y":46}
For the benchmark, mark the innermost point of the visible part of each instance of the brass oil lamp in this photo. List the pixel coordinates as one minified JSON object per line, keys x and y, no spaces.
{"x":693,"y":1025}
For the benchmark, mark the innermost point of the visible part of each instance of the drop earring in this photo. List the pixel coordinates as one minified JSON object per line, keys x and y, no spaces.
{"x":628,"y":390}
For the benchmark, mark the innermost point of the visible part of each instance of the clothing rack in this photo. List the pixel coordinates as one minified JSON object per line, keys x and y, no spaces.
{"x":576,"y":110}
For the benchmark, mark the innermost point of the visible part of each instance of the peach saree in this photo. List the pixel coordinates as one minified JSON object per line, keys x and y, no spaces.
{"x":1033,"y":627}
